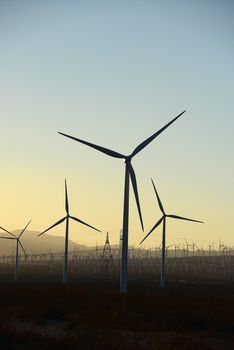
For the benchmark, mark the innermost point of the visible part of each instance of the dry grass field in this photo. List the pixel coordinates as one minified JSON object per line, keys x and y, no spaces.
{"x":95,"y":316}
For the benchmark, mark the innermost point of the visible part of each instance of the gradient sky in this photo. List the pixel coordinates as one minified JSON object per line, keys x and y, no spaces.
{"x":114,"y":72}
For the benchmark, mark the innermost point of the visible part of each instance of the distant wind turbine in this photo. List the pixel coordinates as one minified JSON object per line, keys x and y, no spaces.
{"x":18,"y":242}
{"x":67,"y":217}
{"x":163,"y":220}
{"x":129,"y":173}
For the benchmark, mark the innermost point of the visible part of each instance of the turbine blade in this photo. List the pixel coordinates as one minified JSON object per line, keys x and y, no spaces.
{"x":8,"y":238}
{"x":22,"y":247}
{"x":24,"y":229}
{"x":66,"y":198}
{"x":159,"y":201}
{"x":49,"y":228}
{"x":135,"y":190}
{"x":7,"y":231}
{"x":99,"y":148}
{"x":1,"y":228}
{"x":182,"y":218}
{"x":84,"y":223}
{"x":151,"y":138}
{"x":152,"y":229}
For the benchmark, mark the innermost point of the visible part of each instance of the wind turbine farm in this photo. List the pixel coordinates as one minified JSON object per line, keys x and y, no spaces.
{"x":112,"y":260}
{"x":97,"y":270}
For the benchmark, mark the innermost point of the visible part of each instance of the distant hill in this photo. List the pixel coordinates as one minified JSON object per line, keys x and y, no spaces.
{"x":34,"y":244}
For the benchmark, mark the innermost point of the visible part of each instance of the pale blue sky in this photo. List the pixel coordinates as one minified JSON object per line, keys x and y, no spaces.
{"x":113,"y":73}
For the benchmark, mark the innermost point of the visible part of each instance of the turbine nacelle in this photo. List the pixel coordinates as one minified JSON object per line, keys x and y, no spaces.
{"x":127,"y":159}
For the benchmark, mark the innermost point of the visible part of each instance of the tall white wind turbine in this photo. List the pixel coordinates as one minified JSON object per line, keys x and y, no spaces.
{"x":129,"y":173}
{"x":163,"y":220}
{"x":18,"y":242}
{"x":67,"y":218}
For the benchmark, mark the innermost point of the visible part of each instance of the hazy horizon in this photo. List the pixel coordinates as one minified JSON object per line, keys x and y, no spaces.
{"x":55,"y":243}
{"x":113,"y":74}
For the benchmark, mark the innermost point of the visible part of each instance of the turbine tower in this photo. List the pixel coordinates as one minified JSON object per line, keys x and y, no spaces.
{"x":18,"y":242}
{"x":67,"y":218}
{"x":129,"y":174}
{"x":163,"y":220}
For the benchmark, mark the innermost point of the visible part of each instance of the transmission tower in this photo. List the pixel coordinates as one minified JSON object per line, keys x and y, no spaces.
{"x":107,"y":262}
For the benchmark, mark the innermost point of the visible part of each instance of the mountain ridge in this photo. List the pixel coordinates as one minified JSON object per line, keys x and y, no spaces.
{"x":33,"y":244}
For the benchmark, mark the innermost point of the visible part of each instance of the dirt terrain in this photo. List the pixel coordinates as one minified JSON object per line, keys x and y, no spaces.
{"x":95,"y":316}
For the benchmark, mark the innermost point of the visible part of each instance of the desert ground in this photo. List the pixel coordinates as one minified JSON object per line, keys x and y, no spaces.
{"x":94,"y":315}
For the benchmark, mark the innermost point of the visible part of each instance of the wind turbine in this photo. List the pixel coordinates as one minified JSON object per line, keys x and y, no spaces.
{"x":18,"y":242}
{"x":129,"y":173}
{"x":67,"y":218}
{"x":163,"y":221}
